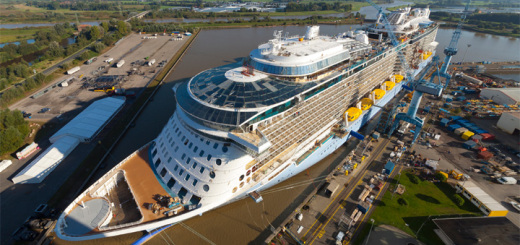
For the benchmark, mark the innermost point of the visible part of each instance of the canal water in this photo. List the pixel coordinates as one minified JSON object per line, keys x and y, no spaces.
{"x":246,"y":222}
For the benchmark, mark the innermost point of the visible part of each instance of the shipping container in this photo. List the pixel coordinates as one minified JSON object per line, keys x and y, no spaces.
{"x":467,"y":135}
{"x":389,"y":167}
{"x":460,"y":131}
{"x":453,"y":127}
{"x":363,"y":207}
{"x":485,"y":155}
{"x":470,"y":144}
{"x":444,"y":122}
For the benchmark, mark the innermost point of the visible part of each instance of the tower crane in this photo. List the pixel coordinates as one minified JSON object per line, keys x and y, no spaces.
{"x":421,"y":86}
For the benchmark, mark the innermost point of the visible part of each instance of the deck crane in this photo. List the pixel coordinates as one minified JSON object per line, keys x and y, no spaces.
{"x":421,"y":86}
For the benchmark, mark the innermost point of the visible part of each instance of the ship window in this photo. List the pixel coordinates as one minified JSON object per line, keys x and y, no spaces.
{"x":241,"y":177}
{"x":195,"y":181}
{"x":188,"y":160}
{"x":205,"y":188}
{"x":219,"y":162}
{"x":186,"y":142}
{"x":224,"y":149}
{"x":194,"y":164}
{"x":170,"y":160}
{"x":195,"y":149}
{"x":235,"y":190}
{"x":181,"y":172}
{"x":179,"y":134}
{"x":172,"y":143}
{"x":215,"y":146}
{"x":157,"y":162}
{"x":241,"y":184}
{"x":162,"y":145}
{"x":201,"y":153}
{"x":189,"y":146}
{"x":176,"y":167}
{"x":176,"y":130}
{"x":183,"y":156}
{"x":183,"y":138}
{"x":182,"y":192}
{"x":212,"y":174}
{"x":170,"y":140}
{"x":187,"y":177}
{"x":248,"y":179}
{"x":154,"y":152}
{"x":163,"y":172}
{"x":207,"y":142}
{"x":201,"y":169}
{"x":209,"y":157}
{"x":171,"y":183}
{"x":176,"y":148}
{"x":194,"y":200}
{"x":248,"y":172}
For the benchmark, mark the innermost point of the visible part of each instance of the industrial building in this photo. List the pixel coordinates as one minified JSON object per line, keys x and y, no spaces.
{"x":477,"y":230}
{"x":487,"y":204}
{"x":502,"y":96}
{"x":82,"y":128}
{"x":509,"y":122}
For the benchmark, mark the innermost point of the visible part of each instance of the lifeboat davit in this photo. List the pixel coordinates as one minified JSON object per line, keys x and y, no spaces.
{"x":379,"y":93}
{"x":366,"y":103}
{"x":389,"y":85}
{"x":398,"y":78}
{"x":353,"y":113}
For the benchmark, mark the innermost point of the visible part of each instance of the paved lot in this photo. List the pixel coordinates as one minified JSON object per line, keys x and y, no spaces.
{"x":17,"y":202}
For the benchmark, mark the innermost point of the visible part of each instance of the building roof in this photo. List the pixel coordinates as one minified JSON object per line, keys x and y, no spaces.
{"x":513,"y":93}
{"x":481,"y":196}
{"x":513,"y":113}
{"x":91,"y":120}
{"x":43,"y":165}
{"x":480,"y":230}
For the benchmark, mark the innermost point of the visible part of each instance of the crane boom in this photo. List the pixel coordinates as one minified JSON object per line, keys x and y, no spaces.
{"x":452,"y":50}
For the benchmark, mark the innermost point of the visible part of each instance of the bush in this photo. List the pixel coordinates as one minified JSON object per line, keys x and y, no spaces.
{"x":414,"y":179}
{"x":441,"y":177}
{"x":13,"y":130}
{"x":457,"y":199}
{"x":402,"y":202}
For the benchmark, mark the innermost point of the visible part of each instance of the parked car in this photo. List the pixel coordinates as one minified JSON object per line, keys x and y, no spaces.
{"x":43,"y":110}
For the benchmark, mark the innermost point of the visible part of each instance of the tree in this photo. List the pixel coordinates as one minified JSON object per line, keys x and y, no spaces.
{"x":13,"y":129}
{"x":121,"y":27}
{"x":105,"y":26}
{"x":98,"y":47}
{"x":95,"y":33}
{"x":441,"y":177}
{"x":458,"y":199}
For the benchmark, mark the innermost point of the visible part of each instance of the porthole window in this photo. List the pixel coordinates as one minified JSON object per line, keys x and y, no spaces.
{"x":201,"y":169}
{"x":219,"y":162}
{"x":241,"y":184}
{"x":187,"y":177}
{"x":194,"y":165}
{"x":183,"y":156}
{"x":183,"y":138}
{"x":181,"y":172}
{"x":205,"y":188}
{"x":201,"y":153}
{"x":248,"y":172}
{"x":248,"y":179}
{"x":212,"y":174}
{"x":158,"y":162}
{"x":209,"y":157}
{"x":195,"y":181}
{"x":189,"y":146}
{"x":254,"y":169}
{"x":171,"y":182}
{"x":225,"y":149}
{"x":235,"y":190}
{"x":176,"y":167}
{"x":195,"y":149}
{"x":188,"y":160}
{"x":215,"y":146}
{"x":170,"y":160}
{"x":241,"y":177}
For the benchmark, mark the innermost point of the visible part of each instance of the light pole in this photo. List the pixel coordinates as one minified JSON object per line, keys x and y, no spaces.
{"x":463,"y":57}
{"x":370,"y":231}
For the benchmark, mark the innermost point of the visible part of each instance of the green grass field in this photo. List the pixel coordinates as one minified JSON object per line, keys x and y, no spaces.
{"x":424,"y":199}
{"x":12,"y":35}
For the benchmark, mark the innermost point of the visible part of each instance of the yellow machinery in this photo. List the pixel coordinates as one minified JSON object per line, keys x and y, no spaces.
{"x":456,"y":175}
{"x":366,"y":103}
{"x":353,"y":113}
{"x":443,"y":173}
{"x":398,"y":78}
{"x":426,"y":55}
{"x":379,"y":93}
{"x":389,"y":85}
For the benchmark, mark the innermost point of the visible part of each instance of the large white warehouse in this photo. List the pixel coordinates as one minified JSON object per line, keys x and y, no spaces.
{"x":510,"y":122}
{"x":502,"y":96}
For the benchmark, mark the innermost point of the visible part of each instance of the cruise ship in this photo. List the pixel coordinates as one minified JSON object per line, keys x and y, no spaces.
{"x":241,"y":128}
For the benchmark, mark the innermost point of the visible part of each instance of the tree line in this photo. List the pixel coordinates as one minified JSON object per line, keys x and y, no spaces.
{"x":317,"y":6}
{"x":13,"y":131}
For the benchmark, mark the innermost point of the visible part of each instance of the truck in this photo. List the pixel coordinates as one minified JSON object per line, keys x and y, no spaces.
{"x":73,"y":70}
{"x":507,"y":180}
{"x":151,"y":62}
{"x":120,"y":63}
{"x":28,"y":150}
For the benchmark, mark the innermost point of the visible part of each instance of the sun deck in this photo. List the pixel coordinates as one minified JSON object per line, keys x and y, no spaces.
{"x":132,"y":192}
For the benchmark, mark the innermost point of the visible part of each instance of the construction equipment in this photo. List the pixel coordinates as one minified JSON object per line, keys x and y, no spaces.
{"x":456,"y":175}
{"x":421,"y":86}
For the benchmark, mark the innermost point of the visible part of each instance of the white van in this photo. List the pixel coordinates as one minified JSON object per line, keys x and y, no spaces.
{"x":507,"y":180}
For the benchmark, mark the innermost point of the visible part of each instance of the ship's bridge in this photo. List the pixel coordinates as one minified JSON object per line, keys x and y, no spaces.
{"x":226,"y":96}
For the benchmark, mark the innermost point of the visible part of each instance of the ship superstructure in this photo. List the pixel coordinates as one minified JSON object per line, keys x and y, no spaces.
{"x":241,"y":128}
